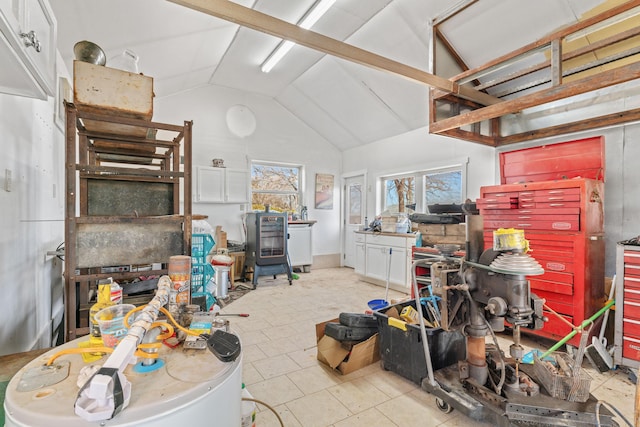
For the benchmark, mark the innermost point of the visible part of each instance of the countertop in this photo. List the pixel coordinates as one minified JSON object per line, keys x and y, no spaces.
{"x":299,"y":221}
{"x":379,"y":233}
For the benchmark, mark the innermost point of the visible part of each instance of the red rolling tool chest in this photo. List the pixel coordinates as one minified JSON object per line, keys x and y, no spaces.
{"x":627,"y":329}
{"x":562,"y":215}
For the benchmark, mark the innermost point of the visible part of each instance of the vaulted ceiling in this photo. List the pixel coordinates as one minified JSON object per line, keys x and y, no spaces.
{"x":347,"y":103}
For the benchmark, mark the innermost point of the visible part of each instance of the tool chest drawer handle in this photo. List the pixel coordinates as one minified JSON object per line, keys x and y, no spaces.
{"x":555,"y":198}
{"x":524,"y":217}
{"x":524,"y":225}
{"x":556,"y":204}
{"x":556,"y":192}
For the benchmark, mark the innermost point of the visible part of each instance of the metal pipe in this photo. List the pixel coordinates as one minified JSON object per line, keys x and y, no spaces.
{"x":423,"y":331}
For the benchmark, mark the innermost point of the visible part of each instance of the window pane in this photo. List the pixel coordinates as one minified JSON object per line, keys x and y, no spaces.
{"x":276,"y":202}
{"x":279,"y":178}
{"x":355,"y":204}
{"x":399,"y":194}
{"x":275,"y":185}
{"x":443,"y":187}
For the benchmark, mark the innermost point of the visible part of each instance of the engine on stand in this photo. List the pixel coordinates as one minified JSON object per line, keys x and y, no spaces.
{"x":479,"y":295}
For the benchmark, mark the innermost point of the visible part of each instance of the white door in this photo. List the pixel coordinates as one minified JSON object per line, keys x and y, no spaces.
{"x":353,"y":215}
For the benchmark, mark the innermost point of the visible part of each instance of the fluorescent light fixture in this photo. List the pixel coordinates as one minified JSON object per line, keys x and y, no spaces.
{"x":316,"y":11}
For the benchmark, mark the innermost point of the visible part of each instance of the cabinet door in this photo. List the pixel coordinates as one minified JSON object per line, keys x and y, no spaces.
{"x":360,"y":259}
{"x":28,"y":48}
{"x":398,"y":272}
{"x":210,"y":185}
{"x":377,"y":261}
{"x":237,"y":186}
{"x":299,"y":245}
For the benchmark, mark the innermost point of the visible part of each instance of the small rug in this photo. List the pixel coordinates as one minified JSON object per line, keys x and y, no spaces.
{"x":234,"y":294}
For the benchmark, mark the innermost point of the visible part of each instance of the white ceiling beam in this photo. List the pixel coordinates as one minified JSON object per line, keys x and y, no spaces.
{"x":247,"y":17}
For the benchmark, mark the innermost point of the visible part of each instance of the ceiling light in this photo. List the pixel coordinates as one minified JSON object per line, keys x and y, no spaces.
{"x":316,"y":11}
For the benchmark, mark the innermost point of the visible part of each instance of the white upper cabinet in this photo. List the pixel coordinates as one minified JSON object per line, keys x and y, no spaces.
{"x":221,"y":185}
{"x":27,"y":48}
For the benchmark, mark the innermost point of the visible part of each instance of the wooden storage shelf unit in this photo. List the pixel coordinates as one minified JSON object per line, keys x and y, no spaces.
{"x":627,"y":326}
{"x":564,"y":223}
{"x":128,"y":202}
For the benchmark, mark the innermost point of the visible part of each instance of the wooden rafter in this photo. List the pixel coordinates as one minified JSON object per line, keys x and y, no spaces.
{"x":247,"y":17}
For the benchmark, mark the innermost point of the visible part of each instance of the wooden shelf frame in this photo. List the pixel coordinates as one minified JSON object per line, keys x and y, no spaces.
{"x":131,"y":234}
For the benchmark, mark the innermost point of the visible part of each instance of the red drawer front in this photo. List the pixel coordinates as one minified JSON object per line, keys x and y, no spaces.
{"x":559,"y":302}
{"x":548,"y":205}
{"x":631,"y":348}
{"x":498,"y":193}
{"x":632,"y":258}
{"x":631,"y":282}
{"x":556,"y":326}
{"x":555,"y":287}
{"x":554,"y":262}
{"x":558,"y":192}
{"x":632,"y":271}
{"x":566,"y":246}
{"x":544,"y":225}
{"x":631,"y":327}
{"x":631,"y":294}
{"x":491,"y":205}
{"x":497,"y":202}
{"x":548,"y":211}
{"x":631,"y":309}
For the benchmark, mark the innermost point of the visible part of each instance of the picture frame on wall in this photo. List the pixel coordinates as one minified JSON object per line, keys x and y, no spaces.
{"x":64,"y":93}
{"x":324,"y":191}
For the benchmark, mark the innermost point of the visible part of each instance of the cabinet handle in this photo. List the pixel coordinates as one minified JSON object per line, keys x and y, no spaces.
{"x":556,"y":192}
{"x":556,"y":198}
{"x":524,"y":225}
{"x":524,"y":217}
{"x":555,"y":205}
{"x":31,"y":40}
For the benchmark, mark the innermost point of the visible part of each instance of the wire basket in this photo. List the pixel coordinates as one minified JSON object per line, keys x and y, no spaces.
{"x":562,"y":385}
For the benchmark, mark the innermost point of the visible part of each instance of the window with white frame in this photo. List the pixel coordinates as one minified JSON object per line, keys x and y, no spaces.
{"x":278,"y":185}
{"x":415,"y":191}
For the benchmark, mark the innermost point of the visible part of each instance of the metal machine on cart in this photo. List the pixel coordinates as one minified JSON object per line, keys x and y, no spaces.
{"x":478,"y":294}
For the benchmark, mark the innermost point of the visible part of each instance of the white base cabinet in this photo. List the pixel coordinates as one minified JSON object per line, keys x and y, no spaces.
{"x":382,"y":254}
{"x":299,"y":246}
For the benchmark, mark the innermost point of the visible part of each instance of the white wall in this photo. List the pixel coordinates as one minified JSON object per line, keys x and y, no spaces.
{"x":419,"y":150}
{"x":31,"y":222}
{"x":279,"y":136}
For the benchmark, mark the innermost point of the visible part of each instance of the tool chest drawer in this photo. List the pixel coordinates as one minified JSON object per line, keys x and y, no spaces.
{"x":627,"y":313}
{"x":571,"y":223}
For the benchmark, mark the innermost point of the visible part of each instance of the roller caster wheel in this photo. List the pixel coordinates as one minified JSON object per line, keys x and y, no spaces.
{"x":443,"y":406}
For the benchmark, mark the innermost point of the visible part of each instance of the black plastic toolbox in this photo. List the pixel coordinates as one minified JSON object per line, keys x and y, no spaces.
{"x":402,"y":351}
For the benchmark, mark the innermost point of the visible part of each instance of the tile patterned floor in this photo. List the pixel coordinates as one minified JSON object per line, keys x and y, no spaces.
{"x":280,"y":366}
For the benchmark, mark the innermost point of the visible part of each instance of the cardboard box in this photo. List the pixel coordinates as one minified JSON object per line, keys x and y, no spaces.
{"x":100,"y":88}
{"x":345,"y":360}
